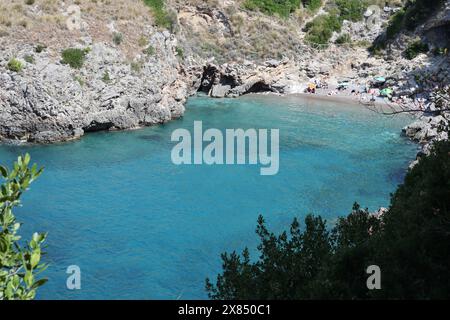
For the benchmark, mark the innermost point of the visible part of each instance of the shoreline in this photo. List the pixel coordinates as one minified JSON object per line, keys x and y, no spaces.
{"x":337,"y":98}
{"x":318,"y":96}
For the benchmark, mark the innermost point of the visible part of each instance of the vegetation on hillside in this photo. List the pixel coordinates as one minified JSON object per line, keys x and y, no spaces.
{"x":321,"y":28}
{"x":351,"y":10}
{"x":415,"y":48}
{"x":408,"y":18}
{"x":409,"y":243}
{"x":14,"y":65}
{"x":74,"y":57}
{"x":282,"y":8}
{"x":162,"y":16}
{"x":19,"y":265}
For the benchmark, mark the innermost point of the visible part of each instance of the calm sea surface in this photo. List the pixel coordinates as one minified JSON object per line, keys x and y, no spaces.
{"x":140,"y":227}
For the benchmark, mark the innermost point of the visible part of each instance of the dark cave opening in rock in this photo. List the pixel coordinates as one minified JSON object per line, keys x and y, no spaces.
{"x":208,"y":78}
{"x":260,"y":86}
{"x":95,"y":126}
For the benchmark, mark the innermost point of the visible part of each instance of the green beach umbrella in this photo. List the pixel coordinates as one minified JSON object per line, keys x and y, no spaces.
{"x":386,"y":92}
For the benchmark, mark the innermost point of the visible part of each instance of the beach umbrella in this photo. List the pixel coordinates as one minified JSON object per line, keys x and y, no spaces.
{"x":386,"y":92}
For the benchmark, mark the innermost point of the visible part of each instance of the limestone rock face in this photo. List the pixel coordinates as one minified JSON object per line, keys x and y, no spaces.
{"x":428,"y":129}
{"x":49,"y":101}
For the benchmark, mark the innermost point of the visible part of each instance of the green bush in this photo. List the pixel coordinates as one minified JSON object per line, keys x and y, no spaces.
{"x":74,"y":57}
{"x":415,"y":48}
{"x":180,"y":52}
{"x":117,"y":38}
{"x":106,"y":78}
{"x":344,"y":38}
{"x":352,"y":10}
{"x":395,"y":24}
{"x":281,"y":8}
{"x":410,"y":244}
{"x":19,"y":265}
{"x":149,"y":51}
{"x":143,"y":41}
{"x":312,"y":5}
{"x":162,"y":17}
{"x":136,"y":66}
{"x":320,"y":30}
{"x":14,"y":65}
{"x":28,"y":58}
{"x":40,"y":48}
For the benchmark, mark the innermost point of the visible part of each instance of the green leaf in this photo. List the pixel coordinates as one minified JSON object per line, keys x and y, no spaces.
{"x":4,"y":172}
{"x":29,"y":278}
{"x":27,"y":159}
{"x":39,"y":283}
{"x":19,"y":266}
{"x":35,"y":258}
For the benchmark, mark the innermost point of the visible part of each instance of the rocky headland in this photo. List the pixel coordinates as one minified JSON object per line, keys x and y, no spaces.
{"x":50,"y":102}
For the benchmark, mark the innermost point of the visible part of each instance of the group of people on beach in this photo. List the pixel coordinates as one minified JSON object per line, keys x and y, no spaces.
{"x":316,"y":84}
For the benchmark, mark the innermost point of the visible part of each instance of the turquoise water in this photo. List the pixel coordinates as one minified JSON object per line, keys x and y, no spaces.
{"x":140,"y":227}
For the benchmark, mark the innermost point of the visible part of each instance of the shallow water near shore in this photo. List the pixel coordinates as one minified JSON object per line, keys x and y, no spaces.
{"x":140,"y":227}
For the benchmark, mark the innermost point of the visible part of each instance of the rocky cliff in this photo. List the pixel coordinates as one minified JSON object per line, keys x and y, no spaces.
{"x":48,"y":101}
{"x":129,"y":73}
{"x":135,"y":73}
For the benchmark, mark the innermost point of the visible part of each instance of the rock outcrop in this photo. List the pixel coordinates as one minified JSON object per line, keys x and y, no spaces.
{"x":233,"y":80}
{"x":426,"y":131}
{"x":49,"y":101}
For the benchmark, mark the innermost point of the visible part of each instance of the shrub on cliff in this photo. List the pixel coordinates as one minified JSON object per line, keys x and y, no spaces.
{"x":163,"y":18}
{"x":74,"y":57}
{"x":415,"y":48}
{"x":19,"y":265}
{"x":320,"y":30}
{"x":418,"y":11}
{"x":117,"y":38}
{"x":395,"y":24}
{"x":408,"y":18}
{"x":312,"y":5}
{"x":409,"y":243}
{"x":351,"y":10}
{"x":14,"y":65}
{"x":280,"y":7}
{"x":344,"y":38}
